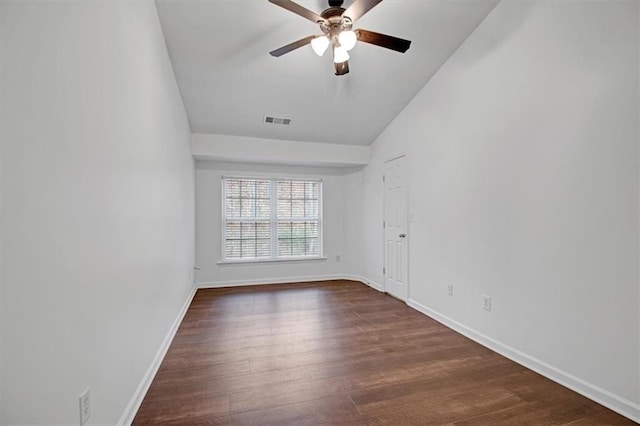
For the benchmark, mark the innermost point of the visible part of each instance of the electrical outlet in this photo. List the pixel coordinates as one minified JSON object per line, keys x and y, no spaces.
{"x":486,"y":303}
{"x":85,"y":407}
{"x":338,"y":258}
{"x":450,"y":289}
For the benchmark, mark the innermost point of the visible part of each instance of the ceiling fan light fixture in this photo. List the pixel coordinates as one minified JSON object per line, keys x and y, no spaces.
{"x":320,"y":44}
{"x":336,"y":25}
{"x":348,"y":39}
{"x":340,"y":55}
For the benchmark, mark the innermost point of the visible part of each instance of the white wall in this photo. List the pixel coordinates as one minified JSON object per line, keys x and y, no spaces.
{"x":97,"y":206}
{"x":209,"y":225}
{"x":224,"y":148}
{"x":523,"y":165}
{"x":353,"y":214}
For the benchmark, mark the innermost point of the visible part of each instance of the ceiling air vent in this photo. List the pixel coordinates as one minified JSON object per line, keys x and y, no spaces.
{"x":277,"y":120}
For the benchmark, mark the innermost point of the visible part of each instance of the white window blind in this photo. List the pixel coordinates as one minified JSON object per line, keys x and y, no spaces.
{"x":298,"y":218}
{"x":271,"y":218}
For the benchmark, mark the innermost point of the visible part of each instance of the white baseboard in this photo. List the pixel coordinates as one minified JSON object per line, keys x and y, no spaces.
{"x":280,"y":280}
{"x":286,"y":280}
{"x":136,"y":400}
{"x":601,"y":396}
{"x":366,"y":281}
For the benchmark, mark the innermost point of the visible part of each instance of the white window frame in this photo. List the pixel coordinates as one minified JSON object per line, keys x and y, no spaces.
{"x":273,"y":221}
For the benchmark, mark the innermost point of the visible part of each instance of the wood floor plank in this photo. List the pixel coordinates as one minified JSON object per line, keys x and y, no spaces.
{"x":283,"y":394}
{"x":331,"y":410}
{"x":341,"y":353}
{"x":170,"y":410}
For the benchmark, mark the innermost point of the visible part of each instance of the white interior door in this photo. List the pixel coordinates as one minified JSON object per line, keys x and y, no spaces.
{"x":395,"y":228}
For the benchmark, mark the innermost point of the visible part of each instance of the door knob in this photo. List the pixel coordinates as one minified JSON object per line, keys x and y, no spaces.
{"x":402,"y":235}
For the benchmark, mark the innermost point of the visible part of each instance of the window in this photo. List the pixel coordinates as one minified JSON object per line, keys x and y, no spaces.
{"x":269,"y":219}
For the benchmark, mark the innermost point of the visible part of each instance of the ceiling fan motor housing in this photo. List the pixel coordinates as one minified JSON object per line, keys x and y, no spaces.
{"x":334,"y":21}
{"x":336,"y":3}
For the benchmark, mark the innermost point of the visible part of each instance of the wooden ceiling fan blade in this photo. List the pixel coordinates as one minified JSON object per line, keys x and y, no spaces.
{"x":291,"y":46}
{"x":358,"y":8}
{"x":298,"y":10}
{"x":342,"y":68}
{"x":383,"y":40}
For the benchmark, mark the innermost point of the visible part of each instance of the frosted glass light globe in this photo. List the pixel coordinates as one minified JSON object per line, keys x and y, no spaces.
{"x":340,"y":55}
{"x":347,"y":39}
{"x":320,"y":45}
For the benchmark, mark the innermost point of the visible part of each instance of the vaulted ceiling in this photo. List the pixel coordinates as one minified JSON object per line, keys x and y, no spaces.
{"x":229,"y":82}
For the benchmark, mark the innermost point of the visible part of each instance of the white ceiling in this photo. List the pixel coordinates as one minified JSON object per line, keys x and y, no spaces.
{"x":229,"y":82}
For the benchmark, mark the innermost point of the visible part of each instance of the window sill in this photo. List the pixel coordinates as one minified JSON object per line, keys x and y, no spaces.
{"x":279,"y":260}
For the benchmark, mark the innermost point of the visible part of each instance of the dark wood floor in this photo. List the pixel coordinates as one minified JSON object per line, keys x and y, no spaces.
{"x":341,"y":353}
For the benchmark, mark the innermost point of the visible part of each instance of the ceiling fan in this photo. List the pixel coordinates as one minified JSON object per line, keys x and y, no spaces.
{"x":336,"y":25}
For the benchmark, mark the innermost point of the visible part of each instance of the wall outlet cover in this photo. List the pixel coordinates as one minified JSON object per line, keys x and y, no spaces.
{"x":85,"y":407}
{"x":486,"y":303}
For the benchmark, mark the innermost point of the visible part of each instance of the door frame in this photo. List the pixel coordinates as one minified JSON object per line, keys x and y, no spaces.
{"x":408,"y":240}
